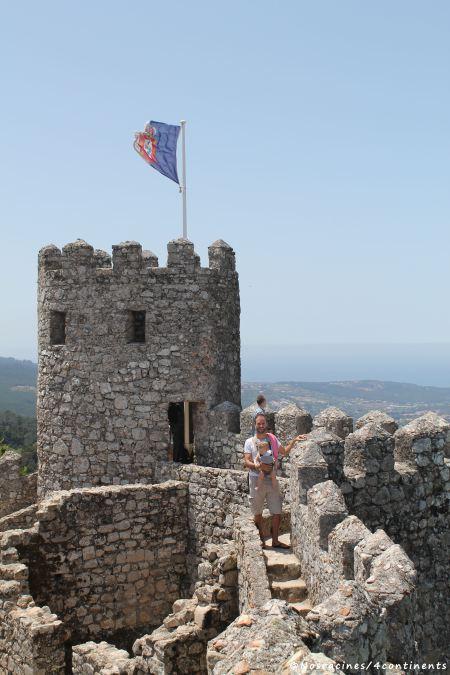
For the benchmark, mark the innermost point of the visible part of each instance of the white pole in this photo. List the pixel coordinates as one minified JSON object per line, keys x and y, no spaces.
{"x":183,"y":185}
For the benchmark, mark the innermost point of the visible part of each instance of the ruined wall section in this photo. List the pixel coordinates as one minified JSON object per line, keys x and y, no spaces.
{"x":110,"y":560}
{"x":216,"y":497}
{"x":103,"y":396}
{"x":17,"y":491}
{"x":350,"y":592}
{"x":32,"y":638}
{"x":401,"y":484}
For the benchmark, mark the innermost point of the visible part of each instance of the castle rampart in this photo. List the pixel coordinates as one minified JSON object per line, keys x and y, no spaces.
{"x":118,"y":342}
{"x":401,"y":483}
{"x":371,"y":594}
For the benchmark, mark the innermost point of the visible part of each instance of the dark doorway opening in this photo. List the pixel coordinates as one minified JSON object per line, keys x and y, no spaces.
{"x":181,"y":431}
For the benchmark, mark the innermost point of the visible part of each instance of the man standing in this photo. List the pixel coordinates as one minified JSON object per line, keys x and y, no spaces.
{"x":261,"y":405}
{"x":264,"y":491}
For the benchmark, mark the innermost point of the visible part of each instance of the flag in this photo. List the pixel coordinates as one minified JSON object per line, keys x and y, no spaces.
{"x":157,"y":145}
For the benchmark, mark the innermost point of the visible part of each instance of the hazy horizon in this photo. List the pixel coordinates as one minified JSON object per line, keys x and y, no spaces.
{"x":425,"y":364}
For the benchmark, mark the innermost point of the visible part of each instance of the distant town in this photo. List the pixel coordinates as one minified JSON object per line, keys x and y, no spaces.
{"x":400,"y":400}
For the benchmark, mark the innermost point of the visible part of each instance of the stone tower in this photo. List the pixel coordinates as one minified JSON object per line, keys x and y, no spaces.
{"x":119,"y":341}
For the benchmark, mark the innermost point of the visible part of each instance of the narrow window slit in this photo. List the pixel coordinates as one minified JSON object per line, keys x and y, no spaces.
{"x":136,"y":327}
{"x":57,"y":328}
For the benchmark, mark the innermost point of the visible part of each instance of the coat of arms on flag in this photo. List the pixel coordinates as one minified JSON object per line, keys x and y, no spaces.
{"x":157,"y":145}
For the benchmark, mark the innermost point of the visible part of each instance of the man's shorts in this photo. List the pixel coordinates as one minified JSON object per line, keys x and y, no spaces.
{"x":264,"y":493}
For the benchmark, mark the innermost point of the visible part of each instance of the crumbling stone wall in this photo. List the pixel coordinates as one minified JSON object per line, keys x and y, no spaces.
{"x":179,"y":644}
{"x":31,"y":638}
{"x":16,"y":491}
{"x":370,"y":591}
{"x":270,"y":639}
{"x":216,"y":497}
{"x":19,"y":520}
{"x":110,"y":560}
{"x":401,"y":483}
{"x":103,"y":395}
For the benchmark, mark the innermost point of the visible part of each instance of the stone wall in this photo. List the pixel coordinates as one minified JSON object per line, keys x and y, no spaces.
{"x":179,"y":644}
{"x":216,"y":497}
{"x":103,"y":395}
{"x":272,"y":639}
{"x":110,"y":560}
{"x":370,"y":590}
{"x":32,"y":638}
{"x":219,"y":441}
{"x":401,"y":484}
{"x":16,"y":491}
{"x":19,"y":520}
{"x":254,"y":590}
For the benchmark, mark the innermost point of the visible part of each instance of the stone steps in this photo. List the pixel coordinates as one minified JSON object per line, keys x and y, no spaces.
{"x":302,"y":608}
{"x":281,"y":565}
{"x":292,"y":590}
{"x":283,"y":569}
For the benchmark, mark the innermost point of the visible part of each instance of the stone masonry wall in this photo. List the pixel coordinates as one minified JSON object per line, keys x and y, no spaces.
{"x":16,"y":491}
{"x":364,"y":584}
{"x":19,"y":520}
{"x":401,"y":484}
{"x":32,"y":638}
{"x":110,"y":561}
{"x":216,"y":497}
{"x":103,"y":396}
{"x":179,"y":644}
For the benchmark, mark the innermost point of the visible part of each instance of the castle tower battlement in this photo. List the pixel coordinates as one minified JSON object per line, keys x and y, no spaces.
{"x":120,"y":339}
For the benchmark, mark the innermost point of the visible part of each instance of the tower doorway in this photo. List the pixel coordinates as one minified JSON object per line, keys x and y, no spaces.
{"x":180,"y":416}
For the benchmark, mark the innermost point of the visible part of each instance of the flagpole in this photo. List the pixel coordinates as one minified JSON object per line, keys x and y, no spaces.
{"x":183,"y":186}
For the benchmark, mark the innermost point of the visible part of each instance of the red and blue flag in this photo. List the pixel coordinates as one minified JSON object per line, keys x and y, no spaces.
{"x":157,"y":145}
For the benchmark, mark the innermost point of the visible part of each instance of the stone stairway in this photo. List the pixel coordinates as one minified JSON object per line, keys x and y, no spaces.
{"x":283,"y":569}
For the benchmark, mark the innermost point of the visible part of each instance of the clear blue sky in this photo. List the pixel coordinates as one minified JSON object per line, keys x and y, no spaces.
{"x":318,"y":147}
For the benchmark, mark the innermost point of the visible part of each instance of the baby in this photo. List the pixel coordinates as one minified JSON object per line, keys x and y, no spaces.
{"x":265,"y":462}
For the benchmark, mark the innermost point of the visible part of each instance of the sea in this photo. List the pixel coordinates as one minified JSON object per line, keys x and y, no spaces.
{"x":424,"y":364}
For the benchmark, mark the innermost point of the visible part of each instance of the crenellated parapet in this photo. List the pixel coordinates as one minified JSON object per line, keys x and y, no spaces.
{"x":129,"y":259}
{"x":343,"y":562}
{"x":390,"y":580}
{"x":397,"y":482}
{"x":221,"y":256}
{"x":368,"y":452}
{"x":378,"y":417}
{"x":334,"y":420}
{"x":391,"y":477}
{"x":423,"y":442}
{"x":332,"y":448}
